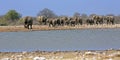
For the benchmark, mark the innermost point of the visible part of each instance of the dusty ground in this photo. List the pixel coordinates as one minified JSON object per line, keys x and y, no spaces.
{"x":63,"y":55}
{"x":42,"y":27}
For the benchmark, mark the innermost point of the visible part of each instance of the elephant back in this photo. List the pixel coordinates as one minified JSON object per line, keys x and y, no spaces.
{"x":25,"y":19}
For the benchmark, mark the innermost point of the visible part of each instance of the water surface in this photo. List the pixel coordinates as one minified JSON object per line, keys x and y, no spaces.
{"x":89,"y":39}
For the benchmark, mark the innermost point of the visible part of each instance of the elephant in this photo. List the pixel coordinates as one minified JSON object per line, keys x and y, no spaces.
{"x":28,"y":21}
{"x":78,"y":21}
{"x":90,"y":21}
{"x":56,"y":22}
{"x":98,"y":19}
{"x":52,"y":22}
{"x":109,"y":19}
{"x":64,"y":20}
{"x":72,"y":22}
{"x":42,"y":20}
{"x":59,"y":22}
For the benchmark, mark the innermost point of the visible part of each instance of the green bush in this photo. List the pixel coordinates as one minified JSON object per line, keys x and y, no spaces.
{"x":3,"y":22}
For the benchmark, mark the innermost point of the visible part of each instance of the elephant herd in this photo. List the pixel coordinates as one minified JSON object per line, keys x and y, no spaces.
{"x":69,"y":21}
{"x":101,"y":20}
{"x":60,"y":21}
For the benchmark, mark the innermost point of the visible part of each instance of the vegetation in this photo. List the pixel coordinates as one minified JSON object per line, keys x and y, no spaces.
{"x":47,"y":13}
{"x":76,"y":14}
{"x":10,"y":18}
{"x":12,"y":15}
{"x":3,"y":21}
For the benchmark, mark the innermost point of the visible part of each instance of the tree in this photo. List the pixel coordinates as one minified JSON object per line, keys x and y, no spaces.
{"x":76,"y":14}
{"x":47,"y":13}
{"x":12,"y":15}
{"x":84,"y":16}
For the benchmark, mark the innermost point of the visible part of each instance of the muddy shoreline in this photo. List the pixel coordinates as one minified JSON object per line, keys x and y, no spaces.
{"x":20,"y":28}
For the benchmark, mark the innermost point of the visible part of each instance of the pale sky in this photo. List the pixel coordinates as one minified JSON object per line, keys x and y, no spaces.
{"x":61,"y":7}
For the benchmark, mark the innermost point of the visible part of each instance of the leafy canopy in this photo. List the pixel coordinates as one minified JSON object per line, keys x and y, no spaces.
{"x":47,"y":13}
{"x":12,"y":15}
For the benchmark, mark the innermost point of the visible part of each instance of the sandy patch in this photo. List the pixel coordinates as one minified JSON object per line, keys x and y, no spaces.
{"x":42,"y":27}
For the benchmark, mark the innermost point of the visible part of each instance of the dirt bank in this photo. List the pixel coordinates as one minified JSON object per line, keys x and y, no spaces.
{"x":42,"y":27}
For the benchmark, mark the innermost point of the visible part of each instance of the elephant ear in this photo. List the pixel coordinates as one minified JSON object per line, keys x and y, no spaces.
{"x":106,"y":17}
{"x":39,"y":18}
{"x":42,"y":17}
{"x":76,"y":18}
{"x":111,"y":17}
{"x":94,"y":17}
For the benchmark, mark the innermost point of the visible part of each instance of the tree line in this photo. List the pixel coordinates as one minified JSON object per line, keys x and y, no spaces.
{"x":12,"y":17}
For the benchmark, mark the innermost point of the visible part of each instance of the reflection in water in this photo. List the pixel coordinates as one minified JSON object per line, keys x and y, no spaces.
{"x":91,"y":39}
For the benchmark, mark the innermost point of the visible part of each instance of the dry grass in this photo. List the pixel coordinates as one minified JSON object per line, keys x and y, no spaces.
{"x":38,"y":27}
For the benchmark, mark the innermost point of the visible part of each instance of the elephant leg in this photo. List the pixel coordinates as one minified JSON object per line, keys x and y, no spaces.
{"x":53,"y":25}
{"x":62,"y":23}
{"x":49,"y":24}
{"x":45,"y":23}
{"x":25,"y":26}
{"x":40,"y":22}
{"x":112,"y":22}
{"x":81,"y":22}
{"x":28,"y":26}
{"x":72,"y":23}
{"x":31,"y":26}
{"x":107,"y":22}
{"x":97,"y":22}
{"x":100,"y":22}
